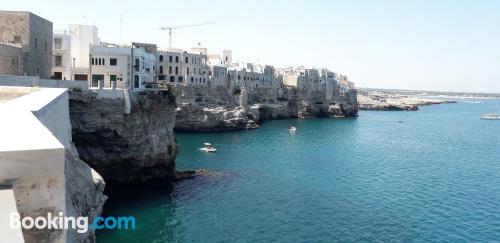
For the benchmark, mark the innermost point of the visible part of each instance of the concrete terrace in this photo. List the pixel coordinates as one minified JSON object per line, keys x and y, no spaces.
{"x":35,"y":131}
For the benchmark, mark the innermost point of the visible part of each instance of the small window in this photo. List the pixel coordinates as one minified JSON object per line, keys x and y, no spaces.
{"x":112,"y":77}
{"x":170,"y":58}
{"x":57,"y":43}
{"x":172,"y":79}
{"x":93,"y":62}
{"x":113,"y":61}
{"x":176,"y":70}
{"x":161,"y":58}
{"x":99,"y":61}
{"x":161,"y":69}
{"x":186,"y":59}
{"x":36,"y":43}
{"x":103,"y":61}
{"x":192,"y":79}
{"x":170,"y":69}
{"x":187,"y":70}
{"x":180,"y":79}
{"x":137,"y":65}
{"x":176,"y":58}
{"x":58,"y":61}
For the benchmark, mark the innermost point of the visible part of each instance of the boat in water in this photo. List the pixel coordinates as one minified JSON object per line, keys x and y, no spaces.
{"x":490,"y":116}
{"x":293,"y":129}
{"x":207,"y":147}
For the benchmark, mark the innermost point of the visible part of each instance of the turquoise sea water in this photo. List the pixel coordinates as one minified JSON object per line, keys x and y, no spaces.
{"x":435,"y":177}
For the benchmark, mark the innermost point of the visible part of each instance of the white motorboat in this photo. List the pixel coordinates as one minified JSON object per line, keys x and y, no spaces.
{"x":293,"y":129}
{"x":490,"y":116}
{"x":207,"y":147}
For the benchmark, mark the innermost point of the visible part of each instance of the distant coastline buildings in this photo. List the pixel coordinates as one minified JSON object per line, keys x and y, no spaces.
{"x":79,"y":54}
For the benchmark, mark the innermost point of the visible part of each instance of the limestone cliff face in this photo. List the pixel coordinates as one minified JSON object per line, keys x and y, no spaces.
{"x":195,"y":118}
{"x":126,"y":147}
{"x":203,"y":109}
{"x":84,"y":194}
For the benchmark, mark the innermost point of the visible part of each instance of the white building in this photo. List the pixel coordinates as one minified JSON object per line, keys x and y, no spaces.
{"x":114,"y":63}
{"x":71,"y":52}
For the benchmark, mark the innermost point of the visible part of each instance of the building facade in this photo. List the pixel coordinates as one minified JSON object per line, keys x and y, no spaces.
{"x":71,"y":51}
{"x":131,"y":67}
{"x":183,"y":68}
{"x":34,"y":36}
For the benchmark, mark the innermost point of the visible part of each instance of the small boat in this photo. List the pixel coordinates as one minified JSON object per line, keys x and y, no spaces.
{"x":400,"y":121}
{"x":490,"y":116}
{"x":293,"y":129}
{"x":207,"y":147}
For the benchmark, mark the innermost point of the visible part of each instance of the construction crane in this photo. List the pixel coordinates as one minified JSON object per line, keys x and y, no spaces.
{"x":172,"y":28}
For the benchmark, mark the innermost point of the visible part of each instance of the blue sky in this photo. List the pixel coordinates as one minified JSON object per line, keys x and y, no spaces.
{"x":431,"y":45}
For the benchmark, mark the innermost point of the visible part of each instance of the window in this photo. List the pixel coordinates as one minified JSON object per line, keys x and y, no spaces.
{"x":81,"y":77}
{"x":176,"y":58}
{"x":36,"y":43}
{"x":58,"y":61}
{"x":93,"y":62}
{"x":186,"y":59}
{"x":99,"y":61}
{"x":172,"y":79}
{"x":161,"y":69}
{"x":176,"y":70}
{"x":103,"y":61}
{"x":180,"y":80}
{"x":187,"y":70}
{"x":17,"y":39}
{"x":136,"y":81}
{"x":170,"y":69}
{"x":161,"y":58}
{"x":113,"y":61}
{"x":57,"y":43}
{"x":170,"y":58}
{"x":112,"y":77}
{"x":192,"y":79}
{"x":137,"y":64}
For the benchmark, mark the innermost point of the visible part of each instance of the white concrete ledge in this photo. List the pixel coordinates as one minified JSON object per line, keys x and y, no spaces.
{"x":8,"y":206}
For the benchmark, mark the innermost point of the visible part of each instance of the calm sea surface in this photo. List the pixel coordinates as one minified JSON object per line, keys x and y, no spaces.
{"x":435,"y":177}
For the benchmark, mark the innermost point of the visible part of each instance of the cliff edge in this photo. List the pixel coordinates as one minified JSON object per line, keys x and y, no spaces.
{"x":126,"y":147}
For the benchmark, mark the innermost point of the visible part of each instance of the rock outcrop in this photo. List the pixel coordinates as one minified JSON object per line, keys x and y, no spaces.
{"x":84,"y":194}
{"x":193,"y":118}
{"x":126,"y":147}
{"x":393,"y":101}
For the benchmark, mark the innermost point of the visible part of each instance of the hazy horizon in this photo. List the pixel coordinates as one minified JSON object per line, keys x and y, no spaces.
{"x":424,"y":45}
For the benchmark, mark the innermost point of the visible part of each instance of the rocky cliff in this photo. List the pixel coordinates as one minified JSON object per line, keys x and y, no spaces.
{"x":84,"y":194}
{"x":124,"y":147}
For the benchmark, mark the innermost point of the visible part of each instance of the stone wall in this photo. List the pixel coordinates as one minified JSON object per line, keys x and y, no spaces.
{"x":34,"y":34}
{"x":12,"y":60}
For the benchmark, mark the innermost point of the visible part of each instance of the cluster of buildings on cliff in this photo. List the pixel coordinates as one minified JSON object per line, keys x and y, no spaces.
{"x":28,"y":46}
